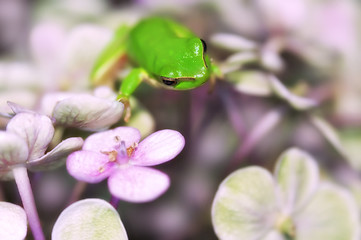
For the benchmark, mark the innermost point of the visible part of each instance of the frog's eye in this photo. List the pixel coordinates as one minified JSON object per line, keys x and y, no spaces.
{"x":204,"y":45}
{"x":169,"y":81}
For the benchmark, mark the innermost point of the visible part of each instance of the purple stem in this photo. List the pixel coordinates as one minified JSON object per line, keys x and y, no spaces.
{"x":232,"y":108}
{"x":27,"y":197}
{"x":114,"y":201}
{"x":78,"y":190}
{"x":262,"y":127}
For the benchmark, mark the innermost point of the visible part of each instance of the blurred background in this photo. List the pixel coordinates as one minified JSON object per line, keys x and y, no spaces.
{"x":311,"y":46}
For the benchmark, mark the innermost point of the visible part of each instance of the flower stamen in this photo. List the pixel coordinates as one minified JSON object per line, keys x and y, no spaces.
{"x":131,"y":149}
{"x":112,"y":155}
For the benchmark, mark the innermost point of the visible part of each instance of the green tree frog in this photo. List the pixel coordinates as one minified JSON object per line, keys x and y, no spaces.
{"x":163,"y":52}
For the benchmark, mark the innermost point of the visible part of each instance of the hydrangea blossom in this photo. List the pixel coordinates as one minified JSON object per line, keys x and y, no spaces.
{"x":117,"y":154}
{"x":25,"y":141}
{"x":22,"y":147}
{"x":293,"y":204}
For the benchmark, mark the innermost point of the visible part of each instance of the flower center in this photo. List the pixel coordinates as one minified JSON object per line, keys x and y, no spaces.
{"x":286,"y":227}
{"x":121,"y":154}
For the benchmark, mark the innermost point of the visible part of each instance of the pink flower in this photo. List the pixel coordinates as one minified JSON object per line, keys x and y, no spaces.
{"x":117,"y":154}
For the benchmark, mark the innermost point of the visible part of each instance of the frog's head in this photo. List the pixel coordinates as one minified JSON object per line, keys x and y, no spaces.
{"x":187,"y":67}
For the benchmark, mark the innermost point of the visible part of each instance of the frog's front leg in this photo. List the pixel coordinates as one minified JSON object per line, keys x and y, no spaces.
{"x":128,"y":86}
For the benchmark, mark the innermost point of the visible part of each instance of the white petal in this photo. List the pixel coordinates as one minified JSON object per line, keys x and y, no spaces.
{"x":329,"y":133}
{"x":37,"y":130}
{"x":245,"y":205}
{"x":332,"y":214}
{"x":13,"y":150}
{"x":57,"y":156}
{"x":297,"y":175}
{"x":90,"y":219}
{"x":274,"y":235}
{"x":251,"y":82}
{"x":87,"y":111}
{"x":233,"y":42}
{"x":13,"y":223}
{"x":299,"y":103}
{"x":83,"y":46}
{"x":49,"y":101}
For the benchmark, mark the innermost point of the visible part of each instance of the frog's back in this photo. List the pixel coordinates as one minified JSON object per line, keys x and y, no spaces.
{"x":151,"y":38}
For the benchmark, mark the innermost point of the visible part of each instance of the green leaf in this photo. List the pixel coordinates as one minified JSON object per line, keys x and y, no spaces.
{"x":89,"y":219}
{"x":297,"y":175}
{"x":332,"y":214}
{"x":245,"y":205}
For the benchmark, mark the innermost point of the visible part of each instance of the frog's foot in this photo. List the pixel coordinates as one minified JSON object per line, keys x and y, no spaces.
{"x":215,"y":76}
{"x":212,"y":84}
{"x":127,"y":109}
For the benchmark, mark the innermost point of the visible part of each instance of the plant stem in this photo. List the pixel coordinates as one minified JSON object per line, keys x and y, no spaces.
{"x":262,"y":127}
{"x":114,"y":201}
{"x":27,"y":197}
{"x":78,"y":190}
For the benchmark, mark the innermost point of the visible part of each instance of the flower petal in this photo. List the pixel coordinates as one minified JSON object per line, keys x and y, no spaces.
{"x":13,"y":223}
{"x":274,"y":235}
{"x":56,"y":156}
{"x":332,"y":214}
{"x":297,"y":102}
{"x":297,"y":175}
{"x":138,"y":184}
{"x":107,"y":140}
{"x":245,"y":205}
{"x":89,"y":219}
{"x":87,"y":166}
{"x":87,"y":111}
{"x":49,"y":101}
{"x":250,"y":82}
{"x":329,"y":133}
{"x":83,"y":46}
{"x":37,"y":130}
{"x":233,"y":42}
{"x":17,"y":108}
{"x":159,"y":147}
{"x":13,"y":150}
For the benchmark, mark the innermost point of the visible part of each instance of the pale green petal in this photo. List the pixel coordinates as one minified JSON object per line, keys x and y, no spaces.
{"x":237,"y":60}
{"x":332,"y":214}
{"x":37,"y":130}
{"x":57,"y":156}
{"x":233,"y":42}
{"x":89,"y":219}
{"x":250,"y":82}
{"x":329,"y":133}
{"x":87,"y":112}
{"x":245,"y":205}
{"x":13,"y":151}
{"x":141,"y":118}
{"x":274,"y":235}
{"x":297,"y":175}
{"x":13,"y":223}
{"x":297,"y":102}
{"x":351,"y":141}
